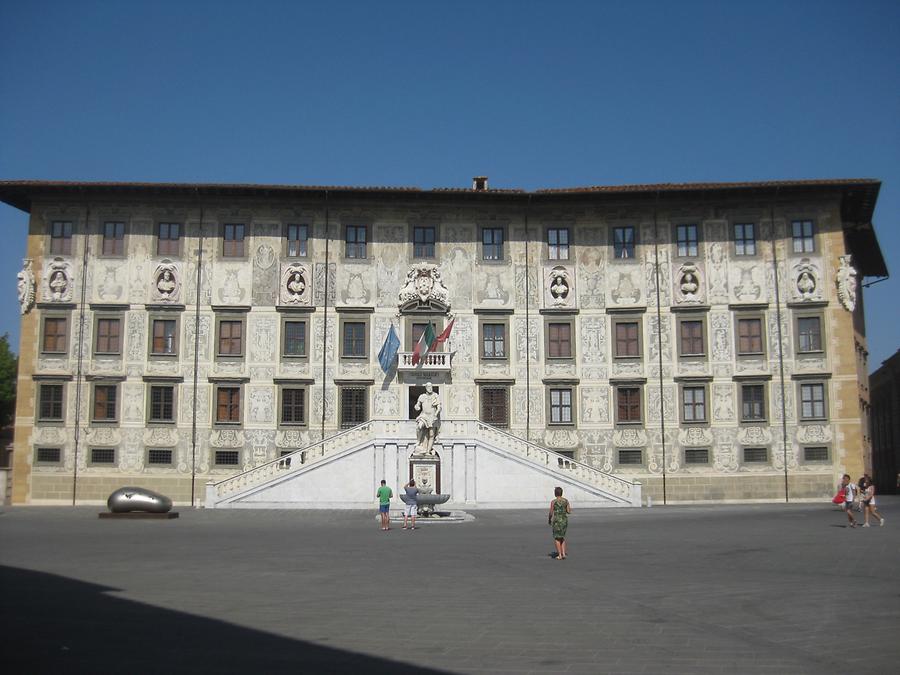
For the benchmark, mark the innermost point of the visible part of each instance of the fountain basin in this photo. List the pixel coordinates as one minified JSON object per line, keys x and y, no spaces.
{"x":426,"y":500}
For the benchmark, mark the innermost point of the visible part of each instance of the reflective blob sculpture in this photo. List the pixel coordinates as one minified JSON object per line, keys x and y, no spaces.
{"x":130,"y":499}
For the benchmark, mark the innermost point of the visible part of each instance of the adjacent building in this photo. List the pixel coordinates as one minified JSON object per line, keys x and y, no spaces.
{"x":885,"y":421}
{"x":705,"y":341}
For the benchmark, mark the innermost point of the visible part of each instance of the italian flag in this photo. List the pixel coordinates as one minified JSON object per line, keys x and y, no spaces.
{"x":428,"y":342}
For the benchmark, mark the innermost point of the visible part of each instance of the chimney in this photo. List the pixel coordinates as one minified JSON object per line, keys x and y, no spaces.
{"x":479,"y":183}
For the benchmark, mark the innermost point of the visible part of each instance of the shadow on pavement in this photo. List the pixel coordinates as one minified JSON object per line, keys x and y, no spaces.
{"x":52,"y":624}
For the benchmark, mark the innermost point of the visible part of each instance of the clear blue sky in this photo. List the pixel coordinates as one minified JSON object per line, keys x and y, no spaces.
{"x":533,"y":94}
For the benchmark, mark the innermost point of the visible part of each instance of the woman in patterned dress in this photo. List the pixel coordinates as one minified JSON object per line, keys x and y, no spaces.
{"x":559,"y":519}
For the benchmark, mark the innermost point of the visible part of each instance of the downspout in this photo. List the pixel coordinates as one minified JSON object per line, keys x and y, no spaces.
{"x":784,"y":433}
{"x":78,"y":368}
{"x":527,"y":329}
{"x":325,"y":326}
{"x":196,"y":353}
{"x":659,"y":329}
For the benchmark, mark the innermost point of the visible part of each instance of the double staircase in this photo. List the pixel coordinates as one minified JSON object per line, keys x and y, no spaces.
{"x":481,"y":464}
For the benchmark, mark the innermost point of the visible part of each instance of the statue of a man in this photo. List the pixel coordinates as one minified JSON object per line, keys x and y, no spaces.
{"x":429,"y":405}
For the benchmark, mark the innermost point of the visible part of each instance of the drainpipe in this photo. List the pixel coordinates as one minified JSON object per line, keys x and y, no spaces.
{"x":784,"y":433}
{"x":196,"y":353}
{"x":527,"y":329}
{"x":662,"y":401}
{"x":78,"y":369}
{"x":325,"y":326}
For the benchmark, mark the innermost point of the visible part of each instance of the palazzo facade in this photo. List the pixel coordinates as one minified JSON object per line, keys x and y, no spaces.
{"x":704,"y":340}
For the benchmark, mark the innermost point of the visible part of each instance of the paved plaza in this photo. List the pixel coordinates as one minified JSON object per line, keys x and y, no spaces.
{"x":690,"y":589}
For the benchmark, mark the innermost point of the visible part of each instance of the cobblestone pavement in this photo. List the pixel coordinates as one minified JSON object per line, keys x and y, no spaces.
{"x":692,"y":589}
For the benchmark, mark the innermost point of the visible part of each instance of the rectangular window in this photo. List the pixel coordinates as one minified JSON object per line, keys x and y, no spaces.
{"x":744,"y":239}
{"x":628,"y":339}
{"x":354,"y":406}
{"x":756,"y":455}
{"x":227,"y":457}
{"x":423,"y":241}
{"x":162,"y":403}
{"x":694,"y":404}
{"x":159,"y":456}
{"x":750,"y":336}
{"x":558,"y":243}
{"x":561,"y":406}
{"x":631,"y":456}
{"x":228,"y":405}
{"x":628,"y":405}
{"x":103,"y":455}
{"x":108,"y":334}
{"x":803,"y":236}
{"x":233,"y":240}
{"x":295,"y":338}
{"x":812,"y":401}
{"x":168,"y":239}
{"x":355,"y":237}
{"x":692,"y":338}
{"x":686,"y":236}
{"x":61,"y":237}
{"x":164,"y":337}
{"x":113,"y":239}
{"x":51,"y":402}
{"x":48,"y":455}
{"x":104,"y":403}
{"x":815,"y":454}
{"x":696,"y":455}
{"x":492,"y":243}
{"x":293,"y":405}
{"x":559,"y":340}
{"x":297,"y":240}
{"x":55,"y":335}
{"x":495,"y":406}
{"x":231,"y":338}
{"x":493,"y":343}
{"x":354,"y":339}
{"x":623,"y":242}
{"x":809,"y":334}
{"x":753,"y":403}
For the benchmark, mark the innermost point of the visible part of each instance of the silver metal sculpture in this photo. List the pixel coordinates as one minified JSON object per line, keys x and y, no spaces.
{"x":130,"y":499}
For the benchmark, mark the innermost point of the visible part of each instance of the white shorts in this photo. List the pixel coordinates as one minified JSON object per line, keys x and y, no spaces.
{"x":411,"y":509}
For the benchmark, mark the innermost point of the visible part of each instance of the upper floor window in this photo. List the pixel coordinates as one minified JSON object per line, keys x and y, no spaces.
{"x":354,"y":339}
{"x":295,"y":338}
{"x":354,"y":406}
{"x":162,"y":403}
{"x":492,"y":243}
{"x":809,"y":334}
{"x":50,"y":406}
{"x":493,"y":343}
{"x":228,"y":405}
{"x":293,"y":405}
{"x":164,"y":340}
{"x":753,"y":403}
{"x":628,"y":405}
{"x":297,"y":240}
{"x":495,"y":406}
{"x":55,"y":335}
{"x":231,"y":337}
{"x":623,"y":242}
{"x":104,"y":403}
{"x":108,"y":336}
{"x":355,"y":237}
{"x":804,"y":236}
{"x":61,"y":237}
{"x":113,"y":238}
{"x":561,"y":406}
{"x":233,"y":240}
{"x":423,"y":241}
{"x":559,"y":340}
{"x":628,"y":339}
{"x":168,"y":239}
{"x":750,"y":336}
{"x":693,"y":404}
{"x":686,"y":236}
{"x":692,"y":338}
{"x":558,"y":243}
{"x":812,"y":401}
{"x":744,"y":239}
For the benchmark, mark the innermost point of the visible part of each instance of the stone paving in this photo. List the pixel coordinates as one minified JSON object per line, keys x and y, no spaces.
{"x":693,"y":589}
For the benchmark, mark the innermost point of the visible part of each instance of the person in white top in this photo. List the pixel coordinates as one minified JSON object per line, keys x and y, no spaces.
{"x":868,"y":500}
{"x":849,"y":494}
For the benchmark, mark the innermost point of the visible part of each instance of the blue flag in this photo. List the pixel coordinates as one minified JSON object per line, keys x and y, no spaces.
{"x":389,"y":350}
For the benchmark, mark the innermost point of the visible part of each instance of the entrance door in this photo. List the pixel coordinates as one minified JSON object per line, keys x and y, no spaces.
{"x":414,"y":392}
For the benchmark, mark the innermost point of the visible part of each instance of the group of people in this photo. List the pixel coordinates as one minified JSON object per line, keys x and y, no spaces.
{"x":861,"y":496}
{"x":558,"y":518}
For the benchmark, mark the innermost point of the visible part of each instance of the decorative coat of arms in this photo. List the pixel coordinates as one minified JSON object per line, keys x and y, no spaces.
{"x":59,"y":280}
{"x":25,"y":286}
{"x":295,"y":287}
{"x":424,"y":288}
{"x":846,"y":283}
{"x":166,"y":285}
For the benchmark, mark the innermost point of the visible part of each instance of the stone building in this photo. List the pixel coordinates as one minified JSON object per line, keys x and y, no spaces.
{"x":885,"y":421}
{"x":219,"y":343}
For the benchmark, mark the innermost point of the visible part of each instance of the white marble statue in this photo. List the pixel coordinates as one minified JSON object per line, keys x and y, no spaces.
{"x":25,"y":286}
{"x":428,"y":421}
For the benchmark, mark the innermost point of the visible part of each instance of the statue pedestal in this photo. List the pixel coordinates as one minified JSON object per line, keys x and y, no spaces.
{"x":426,"y":471}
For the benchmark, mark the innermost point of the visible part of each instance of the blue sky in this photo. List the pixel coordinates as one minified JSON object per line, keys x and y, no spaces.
{"x":429,"y":94}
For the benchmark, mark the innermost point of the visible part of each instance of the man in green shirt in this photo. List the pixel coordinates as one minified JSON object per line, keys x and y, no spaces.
{"x":384,"y":495}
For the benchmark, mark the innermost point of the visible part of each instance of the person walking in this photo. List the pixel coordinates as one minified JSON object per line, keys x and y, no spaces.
{"x":412,"y":507}
{"x":384,"y":494}
{"x":849,"y":493}
{"x":868,"y":501}
{"x":559,"y":520}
